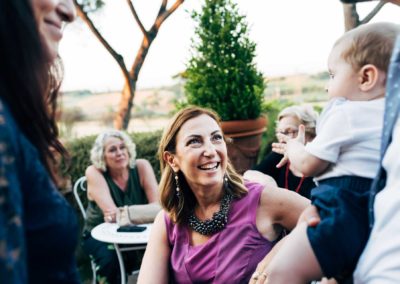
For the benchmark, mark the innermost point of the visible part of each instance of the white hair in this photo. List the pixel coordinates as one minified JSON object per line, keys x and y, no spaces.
{"x":304,"y":113}
{"x":97,"y":151}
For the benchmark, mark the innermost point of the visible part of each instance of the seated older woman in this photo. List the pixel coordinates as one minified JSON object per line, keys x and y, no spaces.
{"x":114,"y":179}
{"x":214,"y":228}
{"x":289,"y":120}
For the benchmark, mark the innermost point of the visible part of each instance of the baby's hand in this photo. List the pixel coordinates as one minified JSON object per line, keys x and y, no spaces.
{"x":285,"y":142}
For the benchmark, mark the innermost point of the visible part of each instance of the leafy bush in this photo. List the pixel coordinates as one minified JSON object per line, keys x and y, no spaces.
{"x":221,"y":74}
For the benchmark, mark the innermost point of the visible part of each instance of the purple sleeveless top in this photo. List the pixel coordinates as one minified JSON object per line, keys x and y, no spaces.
{"x":229,"y":256}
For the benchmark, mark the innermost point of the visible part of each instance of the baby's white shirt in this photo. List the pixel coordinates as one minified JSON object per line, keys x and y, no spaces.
{"x":349,"y":137}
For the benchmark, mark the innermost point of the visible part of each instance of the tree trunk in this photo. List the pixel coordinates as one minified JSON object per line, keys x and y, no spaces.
{"x":123,"y":115}
{"x":351,"y":18}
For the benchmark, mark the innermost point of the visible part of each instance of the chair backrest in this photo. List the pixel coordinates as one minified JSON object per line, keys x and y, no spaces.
{"x":80,"y":184}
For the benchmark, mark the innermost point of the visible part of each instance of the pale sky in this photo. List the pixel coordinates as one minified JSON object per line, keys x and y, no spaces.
{"x":292,"y":36}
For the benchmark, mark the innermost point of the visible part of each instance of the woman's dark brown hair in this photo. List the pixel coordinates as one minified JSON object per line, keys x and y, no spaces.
{"x":29,"y":84}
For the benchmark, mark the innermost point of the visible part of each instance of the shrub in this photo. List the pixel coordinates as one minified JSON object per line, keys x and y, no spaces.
{"x":221,"y":74}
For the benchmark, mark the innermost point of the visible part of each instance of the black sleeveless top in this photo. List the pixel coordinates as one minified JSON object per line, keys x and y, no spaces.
{"x":133,"y":195}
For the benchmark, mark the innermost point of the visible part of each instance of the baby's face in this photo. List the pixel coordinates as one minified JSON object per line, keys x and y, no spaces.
{"x":343,"y":81}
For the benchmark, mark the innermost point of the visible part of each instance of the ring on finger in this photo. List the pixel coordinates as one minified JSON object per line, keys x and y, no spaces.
{"x":255,"y":275}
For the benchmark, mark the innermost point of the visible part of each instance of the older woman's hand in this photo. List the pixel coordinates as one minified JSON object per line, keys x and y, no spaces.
{"x":110,"y":216}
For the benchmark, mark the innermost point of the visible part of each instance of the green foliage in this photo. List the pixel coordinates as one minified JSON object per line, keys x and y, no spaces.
{"x":221,"y":74}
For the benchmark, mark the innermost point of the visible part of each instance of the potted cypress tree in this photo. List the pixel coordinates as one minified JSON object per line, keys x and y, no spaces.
{"x":221,"y":75}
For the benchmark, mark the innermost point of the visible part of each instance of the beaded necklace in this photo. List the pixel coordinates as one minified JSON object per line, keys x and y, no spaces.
{"x":216,"y":223}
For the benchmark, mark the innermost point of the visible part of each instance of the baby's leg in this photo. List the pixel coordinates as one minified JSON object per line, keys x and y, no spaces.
{"x":295,"y":262}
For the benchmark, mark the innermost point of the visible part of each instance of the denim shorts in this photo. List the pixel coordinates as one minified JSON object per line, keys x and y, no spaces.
{"x":340,"y":237}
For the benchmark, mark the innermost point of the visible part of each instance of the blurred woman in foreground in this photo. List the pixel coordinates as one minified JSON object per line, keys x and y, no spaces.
{"x":38,"y":228}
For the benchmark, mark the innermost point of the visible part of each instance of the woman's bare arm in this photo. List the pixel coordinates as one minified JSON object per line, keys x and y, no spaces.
{"x":281,"y":207}
{"x":154,"y":268}
{"x":99,"y":192}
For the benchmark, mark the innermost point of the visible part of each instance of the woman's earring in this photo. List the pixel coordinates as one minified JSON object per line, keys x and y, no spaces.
{"x":225,"y":181}
{"x":178,"y":190}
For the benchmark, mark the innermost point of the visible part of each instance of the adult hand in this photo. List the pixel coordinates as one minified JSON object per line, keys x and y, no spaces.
{"x":285,"y":141}
{"x":258,"y":277}
{"x":310,"y":216}
{"x":110,"y":216}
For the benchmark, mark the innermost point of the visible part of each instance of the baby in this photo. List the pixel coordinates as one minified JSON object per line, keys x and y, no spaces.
{"x":343,"y":158}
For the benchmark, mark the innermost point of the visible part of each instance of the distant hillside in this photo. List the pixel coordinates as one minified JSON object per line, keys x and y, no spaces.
{"x":300,"y":88}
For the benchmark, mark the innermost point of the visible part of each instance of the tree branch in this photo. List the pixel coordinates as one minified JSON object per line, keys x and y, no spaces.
{"x":351,"y":18}
{"x":163,"y":16}
{"x":372,"y":14}
{"x":163,"y":7}
{"x":119,"y":58}
{"x":136,"y":16}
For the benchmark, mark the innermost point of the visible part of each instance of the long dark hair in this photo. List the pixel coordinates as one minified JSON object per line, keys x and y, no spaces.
{"x":29,"y":84}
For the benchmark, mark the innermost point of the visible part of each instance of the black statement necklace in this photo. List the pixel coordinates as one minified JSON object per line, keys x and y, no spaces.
{"x":216,"y":223}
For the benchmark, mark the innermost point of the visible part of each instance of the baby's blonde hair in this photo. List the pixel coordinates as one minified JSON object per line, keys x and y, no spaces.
{"x":369,"y":44}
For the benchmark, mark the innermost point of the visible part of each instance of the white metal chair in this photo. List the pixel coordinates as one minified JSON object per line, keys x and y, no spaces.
{"x":80,"y":185}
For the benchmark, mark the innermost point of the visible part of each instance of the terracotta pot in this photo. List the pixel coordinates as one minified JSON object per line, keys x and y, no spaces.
{"x":245,"y":141}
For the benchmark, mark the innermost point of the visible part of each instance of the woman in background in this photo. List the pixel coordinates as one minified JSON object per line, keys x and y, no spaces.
{"x":287,"y":177}
{"x":115,"y":179}
{"x":38,"y":228}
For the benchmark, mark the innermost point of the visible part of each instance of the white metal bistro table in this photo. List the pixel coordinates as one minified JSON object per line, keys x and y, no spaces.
{"x":107,"y":232}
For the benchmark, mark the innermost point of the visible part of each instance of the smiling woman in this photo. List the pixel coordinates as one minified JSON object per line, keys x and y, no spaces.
{"x":288,"y":122}
{"x":38,"y":228}
{"x":215,"y":228}
{"x":51,"y":16}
